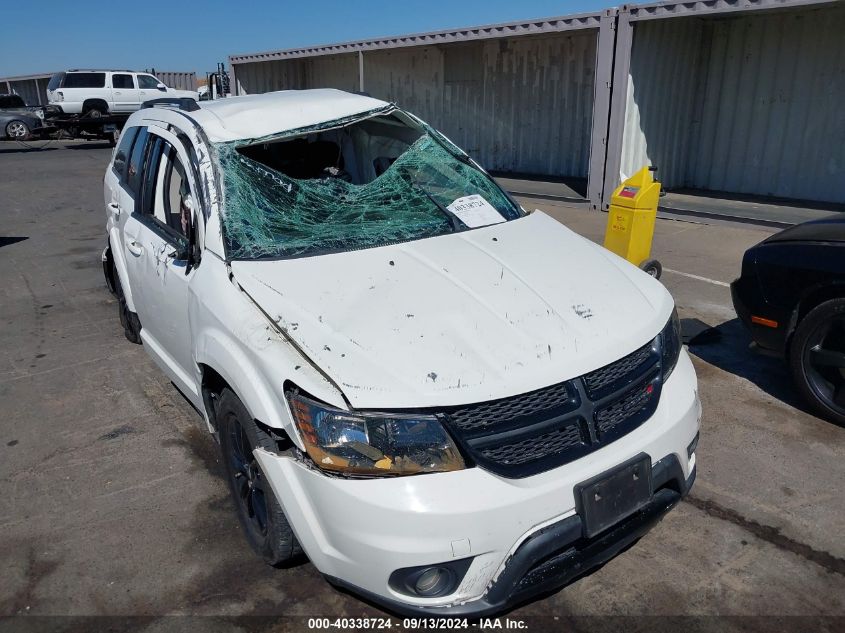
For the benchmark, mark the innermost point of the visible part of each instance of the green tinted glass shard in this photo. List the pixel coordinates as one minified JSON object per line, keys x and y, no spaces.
{"x":269,"y":214}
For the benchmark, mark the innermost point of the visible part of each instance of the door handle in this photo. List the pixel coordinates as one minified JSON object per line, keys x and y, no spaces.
{"x":114,"y":208}
{"x":135,"y":248}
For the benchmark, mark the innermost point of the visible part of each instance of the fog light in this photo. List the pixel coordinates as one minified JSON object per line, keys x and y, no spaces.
{"x":432,"y":581}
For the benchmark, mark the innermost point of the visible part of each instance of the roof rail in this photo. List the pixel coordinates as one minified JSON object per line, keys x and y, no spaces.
{"x":183,"y":103}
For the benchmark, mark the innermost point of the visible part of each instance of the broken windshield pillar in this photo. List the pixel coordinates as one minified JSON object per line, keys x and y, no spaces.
{"x":366,"y":181}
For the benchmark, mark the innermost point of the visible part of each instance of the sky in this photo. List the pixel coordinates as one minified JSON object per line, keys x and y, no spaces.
{"x":194,"y":36}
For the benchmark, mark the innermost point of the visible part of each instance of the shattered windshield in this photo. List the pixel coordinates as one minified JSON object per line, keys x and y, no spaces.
{"x":375,"y":180}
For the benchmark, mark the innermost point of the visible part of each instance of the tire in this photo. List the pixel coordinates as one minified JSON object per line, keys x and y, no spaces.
{"x":17,"y":130}
{"x":128,"y":319}
{"x":264,"y":522}
{"x":95,"y":110}
{"x":817,"y":359}
{"x":652,"y":267}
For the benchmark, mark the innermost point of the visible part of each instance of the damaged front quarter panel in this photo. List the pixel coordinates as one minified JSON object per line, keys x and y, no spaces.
{"x":237,"y":340}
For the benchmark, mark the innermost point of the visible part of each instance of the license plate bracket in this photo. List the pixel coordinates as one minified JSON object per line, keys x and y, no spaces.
{"x":609,"y":497}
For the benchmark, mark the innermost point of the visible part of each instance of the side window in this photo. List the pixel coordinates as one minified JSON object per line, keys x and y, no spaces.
{"x":122,"y":81}
{"x":85,"y":80}
{"x":147,"y":82}
{"x":177,"y":197}
{"x":167,"y":191}
{"x":134,"y":171}
{"x":124,"y":148}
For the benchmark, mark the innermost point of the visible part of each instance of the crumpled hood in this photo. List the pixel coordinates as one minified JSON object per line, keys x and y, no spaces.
{"x":460,"y":318}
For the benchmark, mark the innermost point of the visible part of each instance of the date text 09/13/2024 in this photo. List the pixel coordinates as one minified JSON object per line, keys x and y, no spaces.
{"x":411,"y":624}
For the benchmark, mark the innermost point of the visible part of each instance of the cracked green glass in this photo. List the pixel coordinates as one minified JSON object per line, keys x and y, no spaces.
{"x":268,"y":214}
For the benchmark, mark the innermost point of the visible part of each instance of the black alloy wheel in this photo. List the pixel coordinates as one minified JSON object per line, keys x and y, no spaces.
{"x":248,"y":480}
{"x":264,"y":522}
{"x":817,"y":359}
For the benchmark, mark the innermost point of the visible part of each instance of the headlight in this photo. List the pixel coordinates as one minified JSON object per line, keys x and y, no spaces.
{"x":670,"y":344}
{"x":374,"y":444}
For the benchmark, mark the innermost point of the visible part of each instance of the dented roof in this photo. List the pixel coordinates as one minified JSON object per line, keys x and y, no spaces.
{"x":256,"y":116}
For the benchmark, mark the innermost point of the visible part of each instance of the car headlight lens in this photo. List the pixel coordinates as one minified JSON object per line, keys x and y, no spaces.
{"x":670,"y":344}
{"x":373,"y":444}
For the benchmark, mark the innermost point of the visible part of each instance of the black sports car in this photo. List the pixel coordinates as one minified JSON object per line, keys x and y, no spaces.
{"x":791,"y":295}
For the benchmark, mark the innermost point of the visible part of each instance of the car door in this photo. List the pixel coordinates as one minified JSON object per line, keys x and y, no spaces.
{"x":125,"y":93}
{"x":156,"y":239}
{"x":148,"y":88}
{"x":119,"y":196}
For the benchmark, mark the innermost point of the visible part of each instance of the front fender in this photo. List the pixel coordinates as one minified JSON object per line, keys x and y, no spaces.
{"x":227,"y":357}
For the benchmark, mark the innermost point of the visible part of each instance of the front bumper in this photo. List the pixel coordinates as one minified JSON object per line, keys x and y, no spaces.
{"x":357,"y":532}
{"x":748,"y":300}
{"x":555,"y":555}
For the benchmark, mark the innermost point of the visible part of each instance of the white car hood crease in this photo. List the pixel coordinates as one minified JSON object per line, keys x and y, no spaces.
{"x":460,"y":318}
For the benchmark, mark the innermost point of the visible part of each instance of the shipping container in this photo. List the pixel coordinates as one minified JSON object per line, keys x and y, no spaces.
{"x":523,"y":98}
{"x":731,"y":101}
{"x":180,"y":80}
{"x":31,"y":88}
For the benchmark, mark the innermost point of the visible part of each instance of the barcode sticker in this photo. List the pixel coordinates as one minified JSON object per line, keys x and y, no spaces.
{"x":475,"y":211}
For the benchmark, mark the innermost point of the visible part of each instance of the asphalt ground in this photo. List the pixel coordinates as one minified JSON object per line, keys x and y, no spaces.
{"x":112,"y":503}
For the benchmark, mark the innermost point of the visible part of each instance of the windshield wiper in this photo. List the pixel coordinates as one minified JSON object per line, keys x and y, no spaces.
{"x":454,"y":220}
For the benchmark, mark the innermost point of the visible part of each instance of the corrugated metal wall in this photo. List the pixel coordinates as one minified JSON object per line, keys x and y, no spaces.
{"x":31,"y":92}
{"x":519,"y":105}
{"x":538,"y":104}
{"x":177,"y":79}
{"x":662,"y":89}
{"x":325,"y":71}
{"x":410,"y":77}
{"x":332,"y":71}
{"x":748,"y":104}
{"x":269,"y":76}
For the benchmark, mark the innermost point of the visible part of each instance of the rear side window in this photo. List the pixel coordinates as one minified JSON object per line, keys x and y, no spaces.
{"x":84,"y":80}
{"x":134,"y":174}
{"x":121,"y":155}
{"x":55,"y":81}
{"x":122,"y":81}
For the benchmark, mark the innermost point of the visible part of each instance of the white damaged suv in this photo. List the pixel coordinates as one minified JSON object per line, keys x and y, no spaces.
{"x":449,"y":405}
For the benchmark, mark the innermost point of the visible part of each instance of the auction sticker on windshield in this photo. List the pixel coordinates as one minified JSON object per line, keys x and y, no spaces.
{"x":475,"y":211}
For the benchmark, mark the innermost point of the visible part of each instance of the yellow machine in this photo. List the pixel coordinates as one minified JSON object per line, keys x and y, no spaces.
{"x":630,"y":220}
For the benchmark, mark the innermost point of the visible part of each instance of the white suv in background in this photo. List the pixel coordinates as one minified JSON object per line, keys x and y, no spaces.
{"x":96,"y":93}
{"x":448,"y":404}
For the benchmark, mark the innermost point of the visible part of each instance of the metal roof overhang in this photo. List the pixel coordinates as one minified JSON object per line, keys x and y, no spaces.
{"x":509,"y":29}
{"x":661,"y":10}
{"x":27,"y":77}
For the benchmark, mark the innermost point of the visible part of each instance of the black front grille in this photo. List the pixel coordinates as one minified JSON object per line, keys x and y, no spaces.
{"x":535,"y":447}
{"x":543,"y":429}
{"x":634,"y":401}
{"x":499,"y":412}
{"x":606,"y":378}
